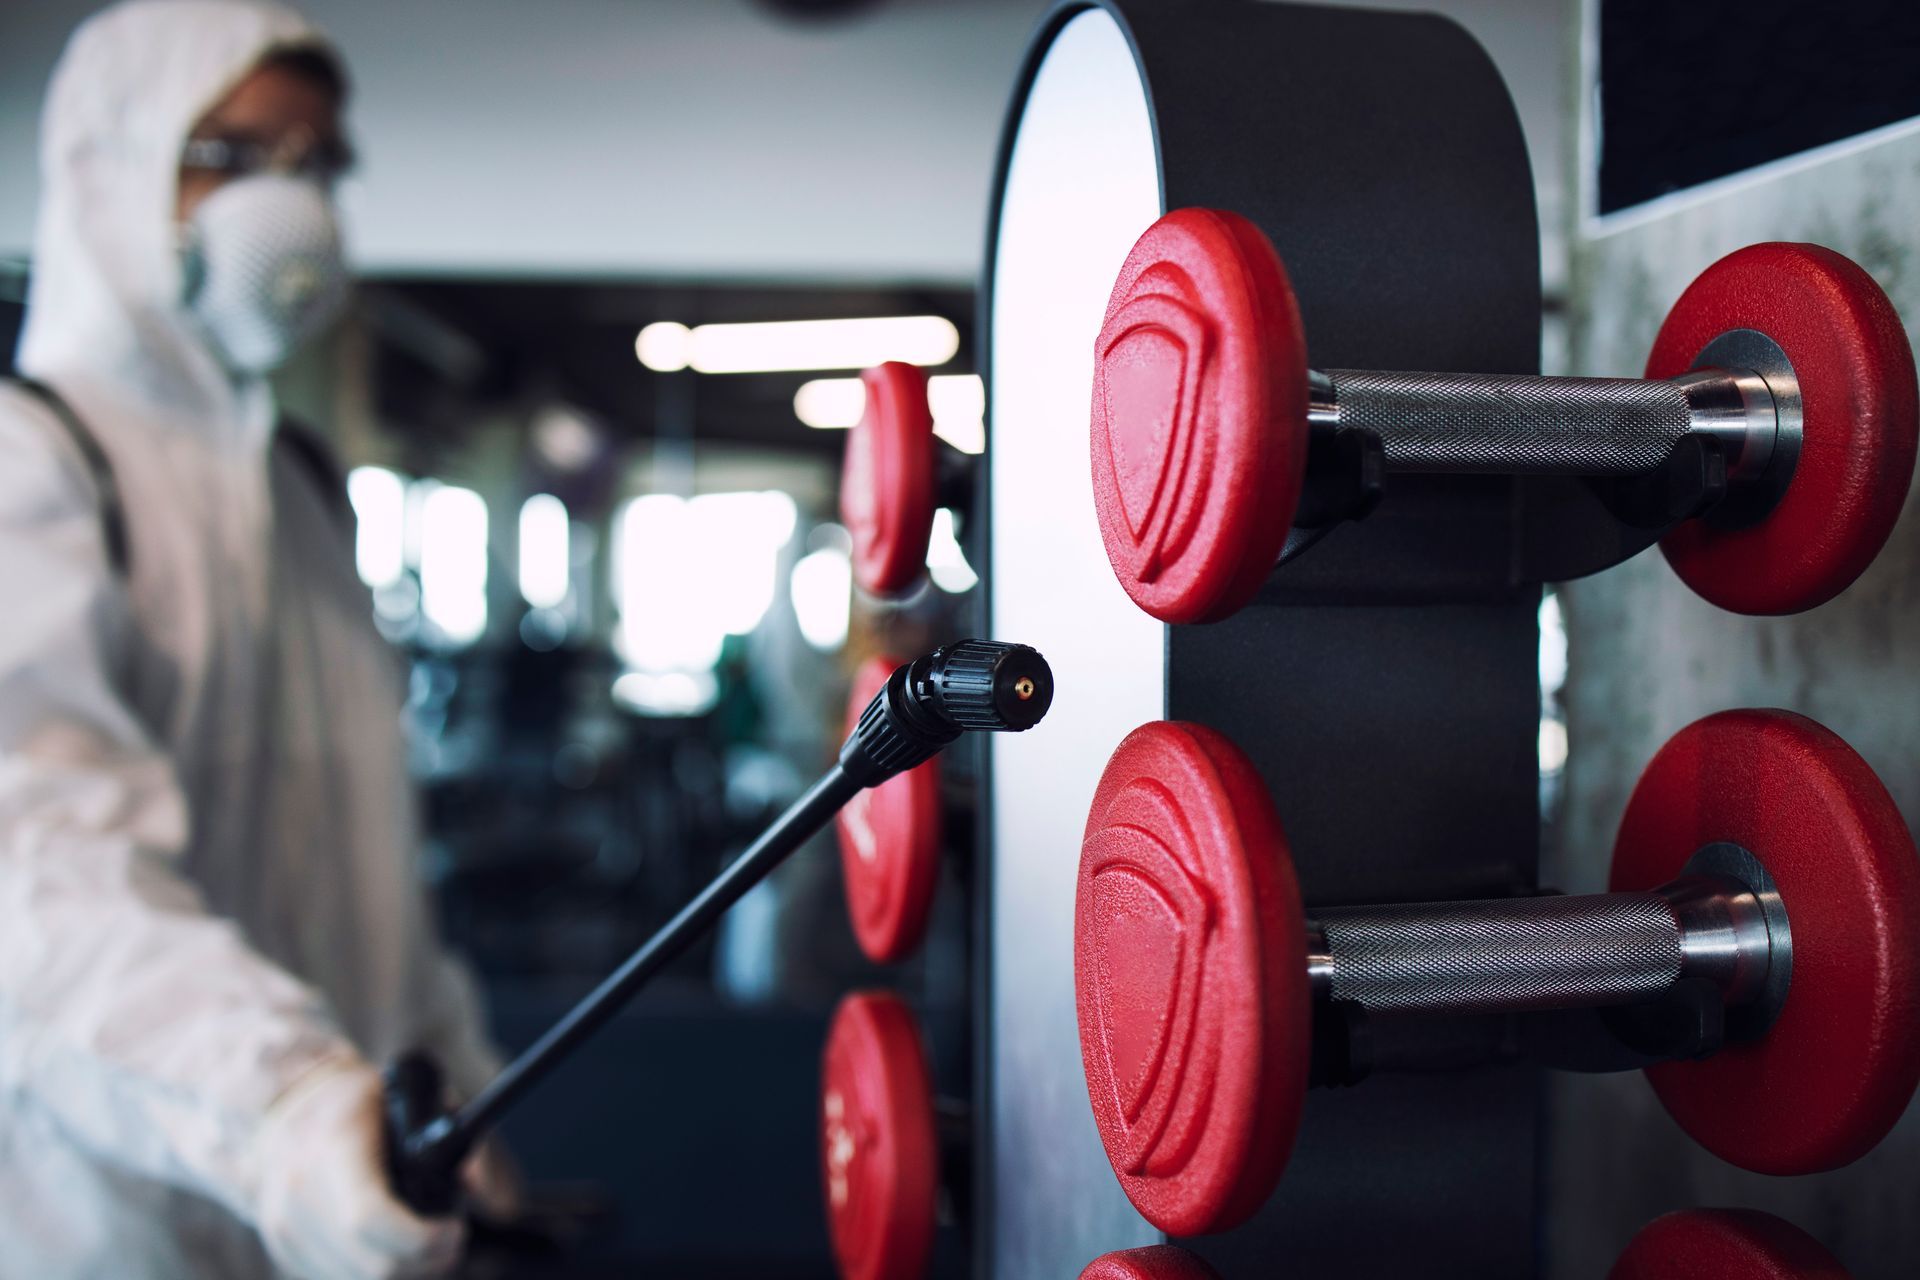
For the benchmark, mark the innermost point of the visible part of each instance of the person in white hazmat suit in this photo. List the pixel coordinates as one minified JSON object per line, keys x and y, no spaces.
{"x":210,"y":929}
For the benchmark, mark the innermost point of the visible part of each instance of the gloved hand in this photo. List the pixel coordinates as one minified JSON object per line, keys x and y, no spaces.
{"x":323,"y":1208}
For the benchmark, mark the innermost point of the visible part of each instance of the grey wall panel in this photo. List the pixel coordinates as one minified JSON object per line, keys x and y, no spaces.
{"x":1646,"y":657}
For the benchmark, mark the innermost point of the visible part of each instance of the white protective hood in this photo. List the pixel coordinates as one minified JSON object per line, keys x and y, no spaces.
{"x":207,"y":843}
{"x":106,"y":274}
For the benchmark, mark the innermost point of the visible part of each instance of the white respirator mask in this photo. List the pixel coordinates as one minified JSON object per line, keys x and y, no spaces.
{"x":263,"y":268}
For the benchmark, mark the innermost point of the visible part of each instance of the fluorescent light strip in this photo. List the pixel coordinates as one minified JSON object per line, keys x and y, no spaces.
{"x":662,"y":346}
{"x":779,"y":346}
{"x":830,"y":404}
{"x":958,"y":401}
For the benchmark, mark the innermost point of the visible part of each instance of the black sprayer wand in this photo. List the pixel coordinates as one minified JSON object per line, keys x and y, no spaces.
{"x":970,"y":686}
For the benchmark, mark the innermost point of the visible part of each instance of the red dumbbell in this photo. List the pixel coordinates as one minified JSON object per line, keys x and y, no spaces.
{"x":895,"y":474}
{"x":1761,"y":872}
{"x":889,"y":1151}
{"x":1155,"y":1262}
{"x":1783,"y":371}
{"x":1694,"y":1244}
{"x":890,"y":838}
{"x":1725,"y":1244}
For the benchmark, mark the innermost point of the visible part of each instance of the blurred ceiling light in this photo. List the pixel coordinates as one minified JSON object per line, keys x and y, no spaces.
{"x":564,"y":439}
{"x":546,"y":551}
{"x":543,"y":630}
{"x":959,"y":404}
{"x":830,"y":404}
{"x":1553,"y":644}
{"x":417,"y":492}
{"x":822,"y":588}
{"x":379,"y":499}
{"x":671,"y":693}
{"x":453,"y":562}
{"x":1553,"y":746}
{"x":659,"y":587}
{"x":663,"y":346}
{"x":777,"y":346}
{"x":829,"y":536}
{"x":741,"y":535}
{"x":946,"y":562}
{"x":958,"y":401}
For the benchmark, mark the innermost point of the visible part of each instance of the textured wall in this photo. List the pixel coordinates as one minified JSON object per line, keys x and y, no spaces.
{"x":1647,"y":657}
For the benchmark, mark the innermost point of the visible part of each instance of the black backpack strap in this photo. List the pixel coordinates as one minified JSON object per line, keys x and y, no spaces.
{"x":310,"y":453}
{"x":113,"y":516}
{"x":315,"y":457}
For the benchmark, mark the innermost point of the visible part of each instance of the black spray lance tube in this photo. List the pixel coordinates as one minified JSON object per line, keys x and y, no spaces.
{"x":973,"y":685}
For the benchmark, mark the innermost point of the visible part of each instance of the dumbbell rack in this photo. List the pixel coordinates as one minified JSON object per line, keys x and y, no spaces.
{"x":1386,"y":685}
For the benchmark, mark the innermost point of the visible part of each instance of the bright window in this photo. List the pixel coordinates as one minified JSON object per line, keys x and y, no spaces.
{"x":689,"y":572}
{"x":946,"y":562}
{"x":453,"y":561}
{"x":379,"y":498}
{"x":822,"y":589}
{"x":546,"y":559}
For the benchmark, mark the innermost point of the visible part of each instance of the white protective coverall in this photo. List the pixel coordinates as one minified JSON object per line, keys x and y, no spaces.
{"x":206,"y":831}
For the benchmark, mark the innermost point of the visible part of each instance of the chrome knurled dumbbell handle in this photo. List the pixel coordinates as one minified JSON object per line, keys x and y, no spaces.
{"x":1552,"y":952}
{"x":1524,"y":425}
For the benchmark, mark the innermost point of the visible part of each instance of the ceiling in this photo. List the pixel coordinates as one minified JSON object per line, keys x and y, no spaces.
{"x":448,"y":349}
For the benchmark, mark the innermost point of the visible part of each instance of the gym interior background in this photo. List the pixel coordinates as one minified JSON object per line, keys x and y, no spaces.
{"x":624,"y":588}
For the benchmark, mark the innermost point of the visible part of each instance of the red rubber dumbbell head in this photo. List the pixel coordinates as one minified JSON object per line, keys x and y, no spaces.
{"x":887,"y":481}
{"x":877,"y":1140}
{"x":1190,"y":960}
{"x":1199,"y":420}
{"x":1860,"y":411}
{"x":889,"y":843}
{"x":1840,"y":1062}
{"x":1190,"y":979}
{"x":1155,"y":1262}
{"x":1725,"y":1244}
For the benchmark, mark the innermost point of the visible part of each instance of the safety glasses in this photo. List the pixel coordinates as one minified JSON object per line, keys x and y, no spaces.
{"x":298,"y":154}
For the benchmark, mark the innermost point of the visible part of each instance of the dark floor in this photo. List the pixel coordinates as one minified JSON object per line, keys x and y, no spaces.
{"x":697,"y":1123}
